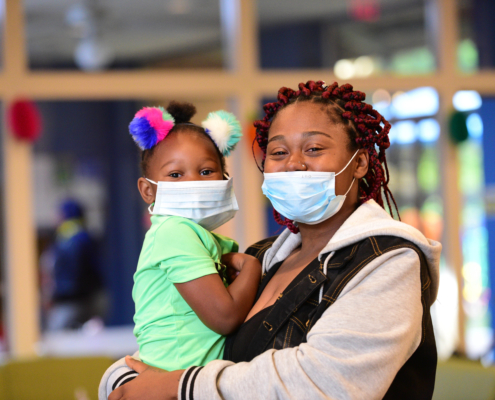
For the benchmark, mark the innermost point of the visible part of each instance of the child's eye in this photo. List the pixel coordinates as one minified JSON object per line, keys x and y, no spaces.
{"x":206,"y":172}
{"x":278,"y":153}
{"x":313,"y":149}
{"x":174,"y":175}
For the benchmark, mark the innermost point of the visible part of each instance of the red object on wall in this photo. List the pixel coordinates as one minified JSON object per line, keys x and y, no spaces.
{"x":364,"y":10}
{"x":24,"y":120}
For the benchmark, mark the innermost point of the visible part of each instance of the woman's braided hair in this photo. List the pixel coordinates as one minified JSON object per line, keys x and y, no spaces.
{"x":366,"y":128}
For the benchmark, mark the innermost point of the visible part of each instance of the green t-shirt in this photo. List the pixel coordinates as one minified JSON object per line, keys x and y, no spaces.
{"x":170,"y":335}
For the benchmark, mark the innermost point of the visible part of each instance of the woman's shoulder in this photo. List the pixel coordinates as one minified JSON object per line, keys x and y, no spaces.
{"x":258,"y":249}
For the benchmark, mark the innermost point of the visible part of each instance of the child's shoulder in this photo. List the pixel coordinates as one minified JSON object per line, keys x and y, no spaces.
{"x":172,"y":226}
{"x":227,"y":244}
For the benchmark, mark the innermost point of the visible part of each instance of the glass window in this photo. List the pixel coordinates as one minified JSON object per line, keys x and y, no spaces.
{"x":474,"y":233}
{"x":357,"y":38}
{"x":414,"y":165}
{"x":85,"y":168}
{"x":97,"y":35}
{"x":476,"y":35}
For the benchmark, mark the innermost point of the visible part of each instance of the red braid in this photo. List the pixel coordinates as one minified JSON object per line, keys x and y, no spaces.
{"x":366,"y":127}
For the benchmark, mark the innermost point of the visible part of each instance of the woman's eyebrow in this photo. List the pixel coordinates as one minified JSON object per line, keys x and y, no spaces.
{"x":305,"y":135}
{"x":314,"y":133}
{"x":278,"y":137}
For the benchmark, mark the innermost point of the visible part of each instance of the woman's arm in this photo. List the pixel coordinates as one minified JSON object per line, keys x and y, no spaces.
{"x":354,"y":351}
{"x":223,"y":309}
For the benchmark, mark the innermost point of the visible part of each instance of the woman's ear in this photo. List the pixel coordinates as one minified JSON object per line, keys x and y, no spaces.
{"x":362,"y":166}
{"x":147,"y":190}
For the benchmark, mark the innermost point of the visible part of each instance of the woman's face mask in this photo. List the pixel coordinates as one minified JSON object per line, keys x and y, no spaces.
{"x":305,"y":196}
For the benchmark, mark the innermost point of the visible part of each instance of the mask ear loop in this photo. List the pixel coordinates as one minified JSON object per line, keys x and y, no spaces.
{"x":352,"y":158}
{"x":342,"y":170}
{"x":149,"y":207}
{"x":350,"y":187}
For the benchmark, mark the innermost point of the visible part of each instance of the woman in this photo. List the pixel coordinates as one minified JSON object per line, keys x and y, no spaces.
{"x":343,"y":307}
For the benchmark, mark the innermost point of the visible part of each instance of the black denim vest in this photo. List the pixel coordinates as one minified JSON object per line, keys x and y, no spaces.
{"x":298,"y":309}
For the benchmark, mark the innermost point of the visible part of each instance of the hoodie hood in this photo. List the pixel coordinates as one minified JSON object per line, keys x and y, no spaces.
{"x":369,"y":219}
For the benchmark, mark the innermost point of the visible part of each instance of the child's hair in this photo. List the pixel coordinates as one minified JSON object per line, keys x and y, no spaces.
{"x":182,"y":112}
{"x":365,"y":127}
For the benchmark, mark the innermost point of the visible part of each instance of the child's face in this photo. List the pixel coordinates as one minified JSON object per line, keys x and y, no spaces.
{"x":182,"y":156}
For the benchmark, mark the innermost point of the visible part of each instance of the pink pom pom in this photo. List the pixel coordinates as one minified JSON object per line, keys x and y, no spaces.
{"x":155,"y":118}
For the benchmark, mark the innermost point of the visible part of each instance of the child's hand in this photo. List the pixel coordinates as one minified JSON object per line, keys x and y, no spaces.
{"x":231,"y":274}
{"x":233,"y":268}
{"x":237,"y":260}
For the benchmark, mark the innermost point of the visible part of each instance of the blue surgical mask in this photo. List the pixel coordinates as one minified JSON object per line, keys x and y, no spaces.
{"x":208,"y":203}
{"x":307,"y":197}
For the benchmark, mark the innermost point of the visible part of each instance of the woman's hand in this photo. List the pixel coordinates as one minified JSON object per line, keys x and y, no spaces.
{"x":151,"y":384}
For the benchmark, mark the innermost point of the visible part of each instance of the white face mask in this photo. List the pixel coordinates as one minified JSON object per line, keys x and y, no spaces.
{"x":305,"y":196}
{"x":208,"y":203}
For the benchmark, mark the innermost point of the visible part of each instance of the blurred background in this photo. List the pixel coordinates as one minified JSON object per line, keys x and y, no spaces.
{"x":74,"y":72}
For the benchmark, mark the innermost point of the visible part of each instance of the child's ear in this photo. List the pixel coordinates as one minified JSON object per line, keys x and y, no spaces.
{"x":146,"y":190}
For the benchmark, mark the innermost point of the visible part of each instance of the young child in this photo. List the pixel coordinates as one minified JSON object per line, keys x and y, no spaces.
{"x":184,"y":307}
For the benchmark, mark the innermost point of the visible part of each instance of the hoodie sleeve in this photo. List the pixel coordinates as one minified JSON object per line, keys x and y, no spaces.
{"x":353,"y":352}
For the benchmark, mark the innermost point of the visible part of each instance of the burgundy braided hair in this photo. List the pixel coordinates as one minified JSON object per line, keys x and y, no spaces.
{"x":366,"y":127}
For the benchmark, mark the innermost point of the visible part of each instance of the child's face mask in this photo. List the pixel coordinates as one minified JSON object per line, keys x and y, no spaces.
{"x":208,"y":203}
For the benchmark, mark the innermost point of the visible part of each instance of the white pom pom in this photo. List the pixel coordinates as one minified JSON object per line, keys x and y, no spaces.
{"x":224,"y":129}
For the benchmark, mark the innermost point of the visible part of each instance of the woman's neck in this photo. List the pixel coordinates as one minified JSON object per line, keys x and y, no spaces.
{"x":316,"y":237}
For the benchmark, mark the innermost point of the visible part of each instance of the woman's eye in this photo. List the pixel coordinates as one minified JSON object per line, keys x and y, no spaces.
{"x":206,"y":172}
{"x":175,"y":175}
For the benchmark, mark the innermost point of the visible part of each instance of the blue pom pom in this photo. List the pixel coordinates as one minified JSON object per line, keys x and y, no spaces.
{"x":143,"y":133}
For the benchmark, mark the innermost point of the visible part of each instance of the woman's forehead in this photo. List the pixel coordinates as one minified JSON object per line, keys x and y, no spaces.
{"x":299,"y":119}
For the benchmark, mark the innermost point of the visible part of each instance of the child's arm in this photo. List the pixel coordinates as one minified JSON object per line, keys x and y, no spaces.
{"x":223,"y":309}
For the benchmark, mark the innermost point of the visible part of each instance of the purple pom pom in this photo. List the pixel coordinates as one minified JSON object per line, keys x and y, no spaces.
{"x":143,"y":133}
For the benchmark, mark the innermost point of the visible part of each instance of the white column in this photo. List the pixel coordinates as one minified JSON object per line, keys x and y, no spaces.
{"x":19,"y":257}
{"x":447,"y":34}
{"x":239,"y":29}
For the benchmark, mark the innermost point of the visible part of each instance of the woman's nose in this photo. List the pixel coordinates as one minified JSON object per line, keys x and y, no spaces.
{"x":296,"y":165}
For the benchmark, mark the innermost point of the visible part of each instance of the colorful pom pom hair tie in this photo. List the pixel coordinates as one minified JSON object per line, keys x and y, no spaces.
{"x":224,"y":129}
{"x":152,"y":124}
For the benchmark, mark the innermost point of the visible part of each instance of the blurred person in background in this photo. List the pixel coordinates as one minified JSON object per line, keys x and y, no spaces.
{"x":71,"y":280}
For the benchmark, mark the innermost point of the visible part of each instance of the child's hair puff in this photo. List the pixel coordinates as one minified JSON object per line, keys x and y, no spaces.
{"x":181,"y":111}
